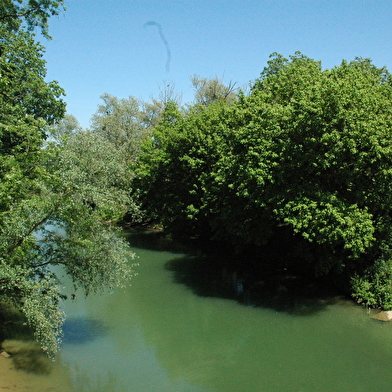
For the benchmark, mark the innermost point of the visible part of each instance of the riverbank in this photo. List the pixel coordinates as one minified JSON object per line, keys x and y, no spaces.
{"x":14,"y":380}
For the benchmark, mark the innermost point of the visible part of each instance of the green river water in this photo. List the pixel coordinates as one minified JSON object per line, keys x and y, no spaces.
{"x":159,"y":336}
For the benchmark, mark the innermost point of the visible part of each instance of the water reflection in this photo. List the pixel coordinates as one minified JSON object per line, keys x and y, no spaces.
{"x":208,"y":278}
{"x":154,"y":241}
{"x":221,"y":274}
{"x":81,"y":330}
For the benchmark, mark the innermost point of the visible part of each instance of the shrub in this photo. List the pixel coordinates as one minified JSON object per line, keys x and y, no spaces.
{"x":374,"y":287}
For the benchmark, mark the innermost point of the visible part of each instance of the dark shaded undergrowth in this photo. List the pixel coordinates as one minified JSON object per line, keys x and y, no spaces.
{"x":13,"y":324}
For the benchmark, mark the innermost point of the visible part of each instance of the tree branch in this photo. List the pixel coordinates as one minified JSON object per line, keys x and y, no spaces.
{"x":29,"y":232}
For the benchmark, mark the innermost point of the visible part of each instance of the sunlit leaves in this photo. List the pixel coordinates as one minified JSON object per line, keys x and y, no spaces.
{"x":120,"y":122}
{"x":374,"y":287}
{"x":95,"y":171}
{"x":59,"y":199}
{"x":309,"y":150}
{"x":330,"y":221}
{"x":37,"y":299}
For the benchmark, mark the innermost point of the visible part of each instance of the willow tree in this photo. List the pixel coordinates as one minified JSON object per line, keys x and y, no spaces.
{"x":54,"y":209}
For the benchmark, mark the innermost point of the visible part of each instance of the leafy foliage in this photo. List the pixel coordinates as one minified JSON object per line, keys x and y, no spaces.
{"x":66,"y":126}
{"x":374,"y":287}
{"x":66,"y":222}
{"x":16,"y":14}
{"x":37,"y":299}
{"x":309,"y":150}
{"x":119,"y":122}
{"x":58,"y":200}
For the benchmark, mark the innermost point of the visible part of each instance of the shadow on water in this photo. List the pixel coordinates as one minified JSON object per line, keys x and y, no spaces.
{"x":80,"y":330}
{"x":154,"y":240}
{"x":217,"y":271}
{"x":278,"y":290}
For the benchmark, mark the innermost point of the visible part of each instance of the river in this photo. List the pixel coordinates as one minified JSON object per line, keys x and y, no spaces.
{"x":159,"y":336}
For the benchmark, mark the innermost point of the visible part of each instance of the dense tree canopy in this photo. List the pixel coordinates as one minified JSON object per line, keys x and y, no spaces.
{"x":306,"y":157}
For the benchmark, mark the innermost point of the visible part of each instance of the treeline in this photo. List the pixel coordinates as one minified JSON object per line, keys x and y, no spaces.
{"x":302,"y":161}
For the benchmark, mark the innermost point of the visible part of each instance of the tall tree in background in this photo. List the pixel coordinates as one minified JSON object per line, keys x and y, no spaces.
{"x":212,"y":90}
{"x":151,"y":112}
{"x":119,"y":122}
{"x":66,"y":126}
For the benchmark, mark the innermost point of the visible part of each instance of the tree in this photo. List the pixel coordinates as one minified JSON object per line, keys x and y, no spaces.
{"x":66,"y":126}
{"x":304,"y":158}
{"x":56,"y":199}
{"x":161,"y":178}
{"x":66,"y":223}
{"x":119,"y":122}
{"x":328,"y":133}
{"x":27,"y":104}
{"x":97,"y":172}
{"x":152,"y":111}
{"x":211,"y":90}
{"x":19,"y":14}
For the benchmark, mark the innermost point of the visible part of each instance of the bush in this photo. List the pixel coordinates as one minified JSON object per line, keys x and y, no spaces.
{"x":374,"y":287}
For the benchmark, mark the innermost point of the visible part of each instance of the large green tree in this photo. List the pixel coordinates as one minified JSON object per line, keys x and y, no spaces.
{"x":306,"y":158}
{"x":56,"y":199}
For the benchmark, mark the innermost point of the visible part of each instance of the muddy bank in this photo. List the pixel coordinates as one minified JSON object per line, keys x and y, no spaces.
{"x":12,"y":379}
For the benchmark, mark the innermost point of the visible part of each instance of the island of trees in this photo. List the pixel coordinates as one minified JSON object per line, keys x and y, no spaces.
{"x":298,"y":169}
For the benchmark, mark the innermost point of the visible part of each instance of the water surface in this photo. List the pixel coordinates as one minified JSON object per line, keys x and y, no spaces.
{"x":159,"y":336}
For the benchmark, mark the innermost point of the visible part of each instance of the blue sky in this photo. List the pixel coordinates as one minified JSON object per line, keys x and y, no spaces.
{"x":102,"y":46}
